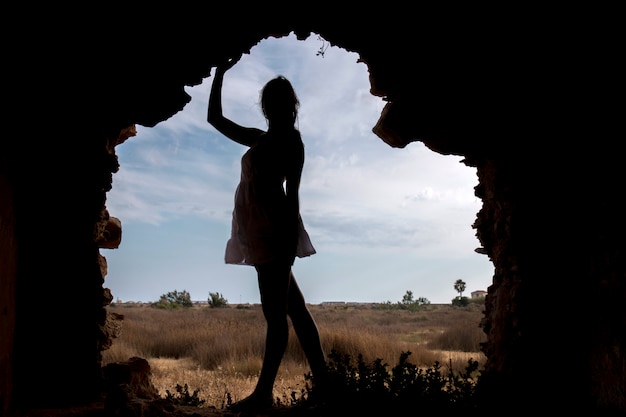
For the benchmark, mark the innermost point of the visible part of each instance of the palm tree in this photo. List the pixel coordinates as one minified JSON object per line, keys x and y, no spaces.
{"x":459,"y":285}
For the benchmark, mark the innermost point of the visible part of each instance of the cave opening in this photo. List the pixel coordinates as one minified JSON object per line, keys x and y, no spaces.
{"x":396,"y":219}
{"x":384,"y":220}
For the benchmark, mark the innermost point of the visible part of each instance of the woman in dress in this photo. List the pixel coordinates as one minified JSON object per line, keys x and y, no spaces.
{"x":267,"y":229}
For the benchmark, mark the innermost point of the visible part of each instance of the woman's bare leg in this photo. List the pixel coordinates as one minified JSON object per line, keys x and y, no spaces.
{"x":281,"y":297}
{"x":306,"y":329}
{"x":274,"y":288}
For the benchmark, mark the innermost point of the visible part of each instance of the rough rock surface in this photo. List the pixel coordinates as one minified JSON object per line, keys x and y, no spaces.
{"x":519,"y":96}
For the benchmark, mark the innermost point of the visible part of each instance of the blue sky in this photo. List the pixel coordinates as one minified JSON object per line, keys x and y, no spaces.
{"x":383,"y":220}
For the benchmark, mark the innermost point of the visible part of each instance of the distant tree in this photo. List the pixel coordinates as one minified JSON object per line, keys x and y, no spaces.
{"x":216,"y":300}
{"x":408,"y":297}
{"x":459,"y":286}
{"x":174,"y":299}
{"x":422,"y":301}
{"x":410,"y":303}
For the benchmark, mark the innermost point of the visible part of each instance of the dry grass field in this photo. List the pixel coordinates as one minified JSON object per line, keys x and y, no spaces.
{"x":218,"y":351}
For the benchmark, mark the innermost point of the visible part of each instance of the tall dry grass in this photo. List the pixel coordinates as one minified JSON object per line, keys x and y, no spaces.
{"x":219,"y":351}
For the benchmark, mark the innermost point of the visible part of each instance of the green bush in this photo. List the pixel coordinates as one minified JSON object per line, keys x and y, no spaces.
{"x":408,"y":303}
{"x":360,"y":388}
{"x":174,"y":299}
{"x":460,"y":301}
{"x":216,"y":300}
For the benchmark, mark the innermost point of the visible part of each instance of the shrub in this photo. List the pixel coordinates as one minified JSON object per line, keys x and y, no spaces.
{"x":373,"y":389}
{"x":174,"y":299}
{"x":216,"y":300}
{"x":460,"y":301}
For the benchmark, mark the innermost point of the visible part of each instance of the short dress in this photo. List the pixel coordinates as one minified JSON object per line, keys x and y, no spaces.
{"x":257,"y":230}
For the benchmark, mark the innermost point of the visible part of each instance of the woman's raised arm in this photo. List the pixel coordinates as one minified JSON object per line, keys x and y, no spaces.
{"x":240,"y":134}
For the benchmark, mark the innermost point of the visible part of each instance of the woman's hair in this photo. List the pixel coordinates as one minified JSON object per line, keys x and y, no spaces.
{"x":279,"y":100}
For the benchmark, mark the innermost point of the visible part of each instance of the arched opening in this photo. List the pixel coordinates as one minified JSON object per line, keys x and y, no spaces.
{"x":384,"y":220}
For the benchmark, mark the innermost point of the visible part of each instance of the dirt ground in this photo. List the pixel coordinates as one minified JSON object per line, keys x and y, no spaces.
{"x":159,"y":409}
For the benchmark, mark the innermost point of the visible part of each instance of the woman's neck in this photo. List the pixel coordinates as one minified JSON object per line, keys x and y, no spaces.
{"x":280,"y":127}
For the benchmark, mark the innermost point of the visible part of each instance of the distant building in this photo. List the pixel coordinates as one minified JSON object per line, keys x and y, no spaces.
{"x":344,"y":304}
{"x":478,"y":293}
{"x":333,"y":303}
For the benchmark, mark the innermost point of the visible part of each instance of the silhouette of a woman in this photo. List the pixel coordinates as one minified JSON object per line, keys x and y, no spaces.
{"x":267,"y":229}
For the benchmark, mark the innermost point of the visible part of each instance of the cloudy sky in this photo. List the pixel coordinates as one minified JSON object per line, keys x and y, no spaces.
{"x":383,"y":220}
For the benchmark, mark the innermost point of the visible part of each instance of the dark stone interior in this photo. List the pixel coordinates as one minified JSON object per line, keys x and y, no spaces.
{"x":519,"y":97}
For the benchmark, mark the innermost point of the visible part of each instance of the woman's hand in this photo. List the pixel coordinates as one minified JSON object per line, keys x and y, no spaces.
{"x":240,"y":134}
{"x":227,"y":64}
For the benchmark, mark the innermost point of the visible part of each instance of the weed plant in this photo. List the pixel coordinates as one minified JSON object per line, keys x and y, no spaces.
{"x":183,"y":397}
{"x":364,"y":389}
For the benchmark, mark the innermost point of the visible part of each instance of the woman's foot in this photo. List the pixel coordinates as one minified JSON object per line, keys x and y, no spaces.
{"x":254,"y":402}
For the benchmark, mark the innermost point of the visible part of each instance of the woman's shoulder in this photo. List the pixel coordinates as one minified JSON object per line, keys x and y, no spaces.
{"x":297,"y":137}
{"x":295,"y":143}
